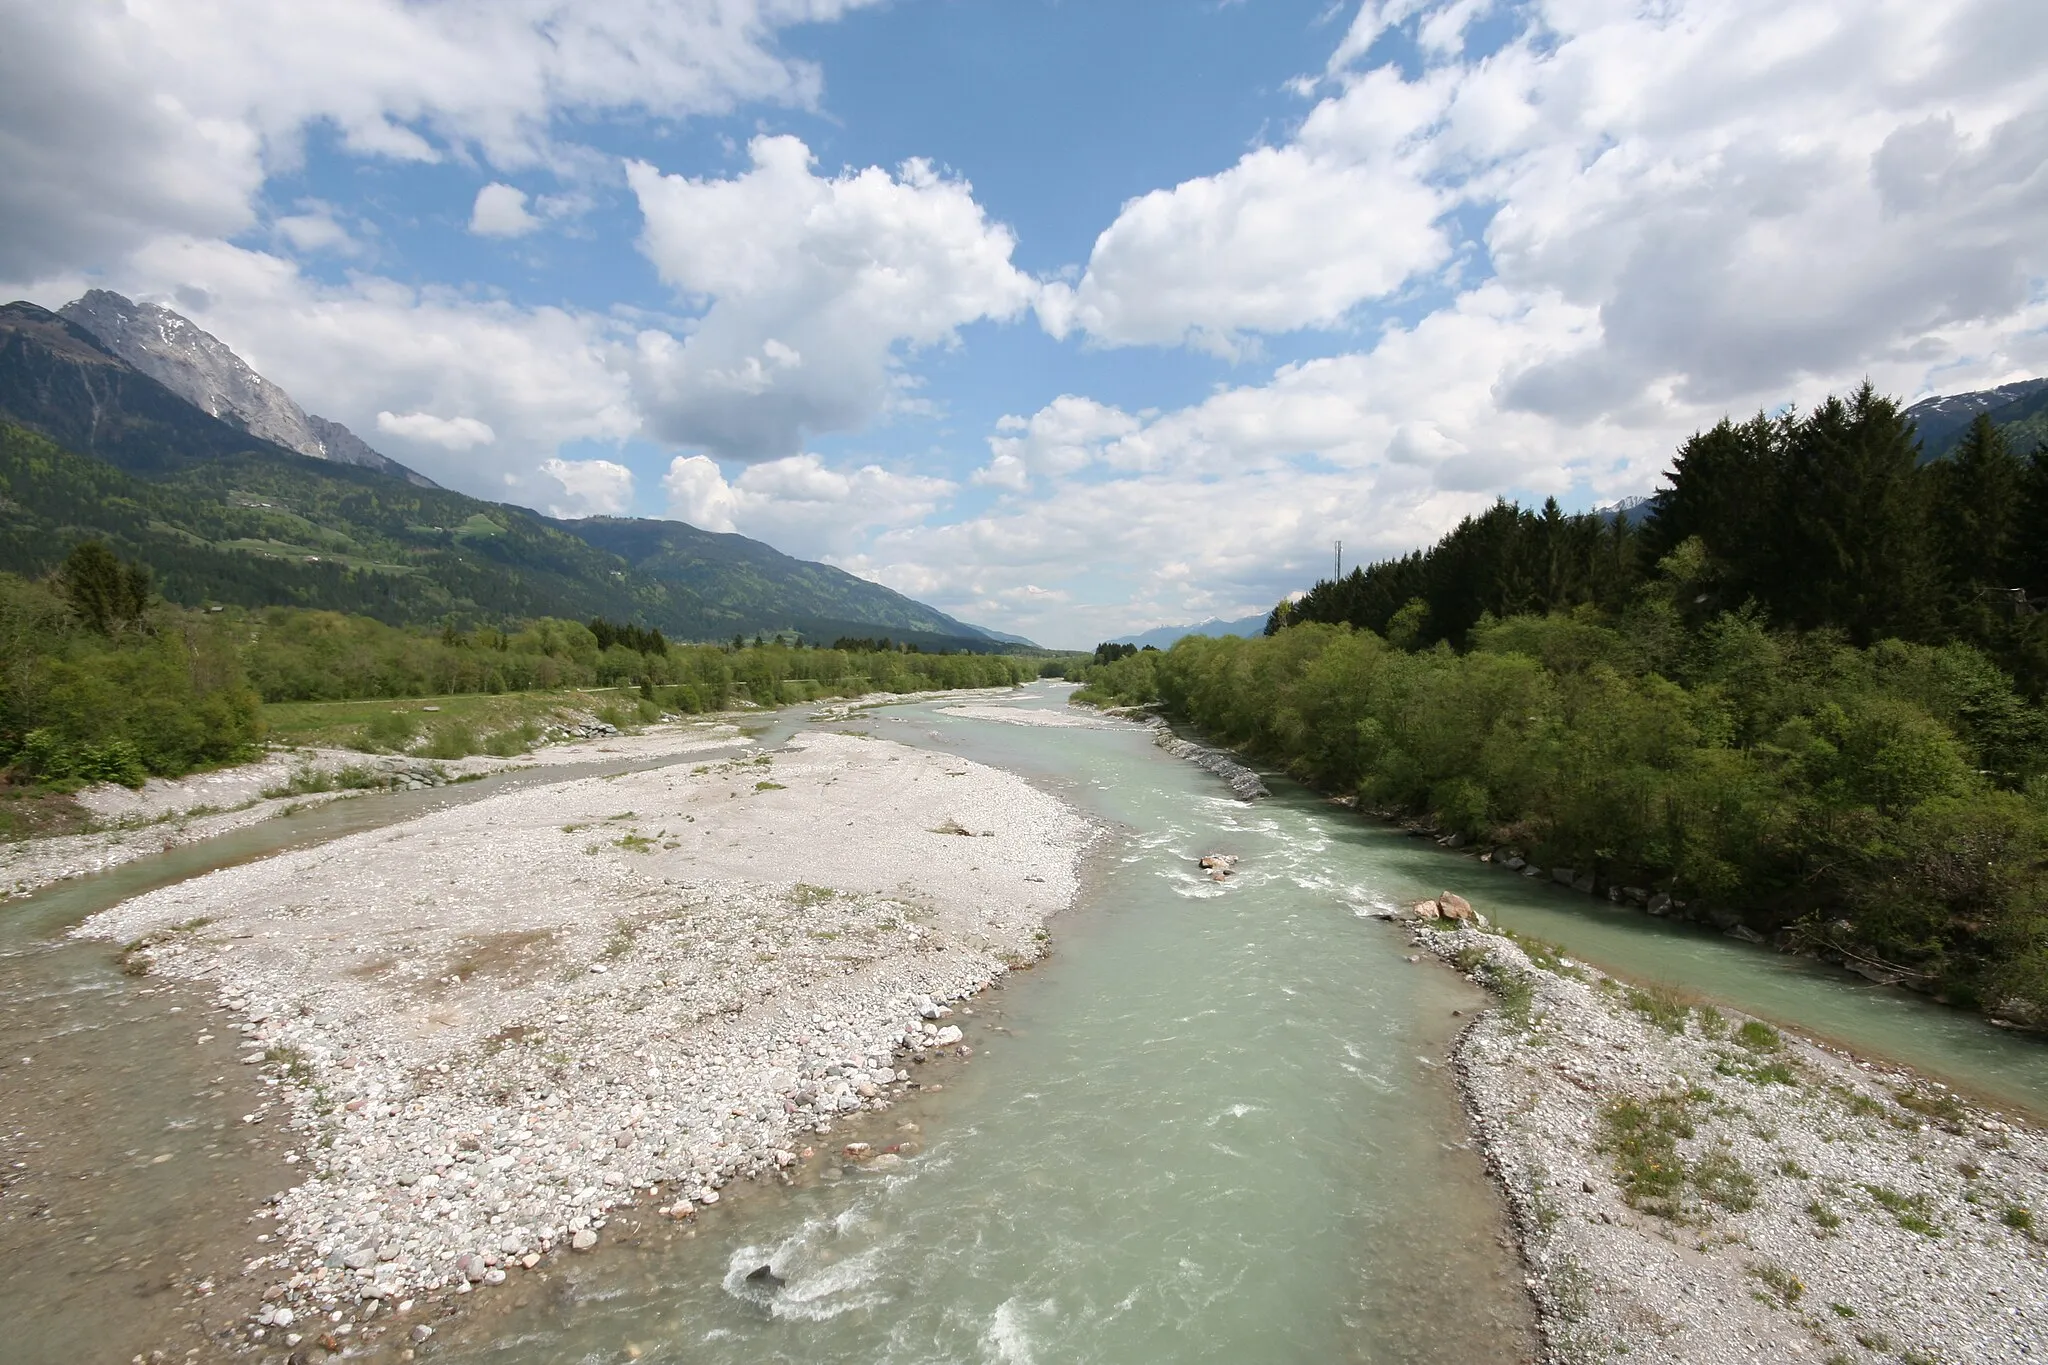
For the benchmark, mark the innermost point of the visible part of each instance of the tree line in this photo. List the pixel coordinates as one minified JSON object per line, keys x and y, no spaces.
{"x":103,"y":680}
{"x":1802,"y":697}
{"x":1827,"y":520}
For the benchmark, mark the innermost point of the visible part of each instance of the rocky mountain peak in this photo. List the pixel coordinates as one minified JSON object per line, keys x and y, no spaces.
{"x":203,"y":370}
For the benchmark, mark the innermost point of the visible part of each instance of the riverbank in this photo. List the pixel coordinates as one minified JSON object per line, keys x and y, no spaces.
{"x":167,"y":813}
{"x":492,"y":1026}
{"x":1691,"y":1186}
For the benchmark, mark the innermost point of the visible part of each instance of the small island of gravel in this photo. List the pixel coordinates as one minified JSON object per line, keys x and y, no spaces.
{"x":491,"y":1026}
{"x":1695,"y":1187}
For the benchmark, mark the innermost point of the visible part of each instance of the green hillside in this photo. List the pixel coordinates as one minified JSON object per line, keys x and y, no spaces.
{"x":91,"y":447}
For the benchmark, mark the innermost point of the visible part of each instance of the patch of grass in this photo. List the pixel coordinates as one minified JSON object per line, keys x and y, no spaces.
{"x":769,"y":787}
{"x":1713,"y":1023}
{"x":1910,"y":1210}
{"x":1517,"y":997}
{"x":1721,"y":1180}
{"x":2018,"y":1217}
{"x":40,"y":812}
{"x":452,"y":739}
{"x":1785,"y":1287}
{"x":512,"y":742}
{"x":1842,"y":1310}
{"x":803,"y":895}
{"x":1937,"y":1105}
{"x":1469,"y":958}
{"x":292,"y":1060}
{"x":1542,"y":953}
{"x":952,"y":827}
{"x":1794,"y":1169}
{"x":1758,"y":1036}
{"x":1668,"y":1007}
{"x":1821,"y":1214}
{"x":634,"y":843}
{"x":1642,"y":1137}
{"x":1873,"y":1341}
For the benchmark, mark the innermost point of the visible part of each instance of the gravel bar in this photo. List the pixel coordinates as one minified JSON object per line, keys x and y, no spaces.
{"x":1691,"y":1185}
{"x":491,"y":1026}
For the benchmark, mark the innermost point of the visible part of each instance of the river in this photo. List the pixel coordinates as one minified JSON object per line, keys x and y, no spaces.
{"x":1213,"y":1125}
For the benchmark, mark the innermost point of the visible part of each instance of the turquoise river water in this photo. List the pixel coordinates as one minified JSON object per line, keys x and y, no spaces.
{"x":1212,"y":1126}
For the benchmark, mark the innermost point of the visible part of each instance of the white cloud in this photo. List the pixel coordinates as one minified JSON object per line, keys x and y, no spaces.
{"x":812,"y":286}
{"x":127,"y":121}
{"x":500,"y":211}
{"x":450,"y":433}
{"x":533,"y":377}
{"x":316,"y":230}
{"x":698,"y":493}
{"x":800,"y":504}
{"x":1289,"y":237}
{"x":594,"y":488}
{"x":1065,"y":436}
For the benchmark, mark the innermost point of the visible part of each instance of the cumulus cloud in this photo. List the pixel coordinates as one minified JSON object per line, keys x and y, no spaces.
{"x":591,"y":488}
{"x":698,"y":493}
{"x":500,"y":211}
{"x":812,"y":286}
{"x":800,"y":503}
{"x":1289,"y":237}
{"x":450,"y":433}
{"x":1065,"y":436}
{"x":127,"y":121}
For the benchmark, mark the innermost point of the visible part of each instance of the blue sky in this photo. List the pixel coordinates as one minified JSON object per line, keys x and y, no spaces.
{"x":1072,"y":319}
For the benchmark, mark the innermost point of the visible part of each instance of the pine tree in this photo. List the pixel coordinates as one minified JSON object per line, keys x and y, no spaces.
{"x":1975,"y":523}
{"x":107,"y":593}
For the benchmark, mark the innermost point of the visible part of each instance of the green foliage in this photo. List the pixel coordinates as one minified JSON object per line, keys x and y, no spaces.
{"x":101,"y":693}
{"x":106,"y":593}
{"x":1814,"y":738}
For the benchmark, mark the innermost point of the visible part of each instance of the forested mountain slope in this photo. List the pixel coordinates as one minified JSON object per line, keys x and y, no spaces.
{"x":91,"y":446}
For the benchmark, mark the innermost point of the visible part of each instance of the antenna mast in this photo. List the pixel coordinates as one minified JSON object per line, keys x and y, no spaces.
{"x":1340,"y":561}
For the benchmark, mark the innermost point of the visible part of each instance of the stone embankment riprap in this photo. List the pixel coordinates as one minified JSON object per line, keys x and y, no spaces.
{"x":1692,"y":1186}
{"x":1243,"y":782}
{"x":493,"y":1025}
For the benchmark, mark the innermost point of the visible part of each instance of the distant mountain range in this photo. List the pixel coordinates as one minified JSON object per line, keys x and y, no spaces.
{"x":1163,"y":636}
{"x":233,"y":493}
{"x":2020,"y":410}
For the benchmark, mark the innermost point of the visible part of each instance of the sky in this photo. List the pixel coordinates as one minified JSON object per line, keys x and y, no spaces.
{"x":1069,"y":318}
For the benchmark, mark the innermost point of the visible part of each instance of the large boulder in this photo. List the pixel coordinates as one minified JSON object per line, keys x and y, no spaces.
{"x":1454,"y":906}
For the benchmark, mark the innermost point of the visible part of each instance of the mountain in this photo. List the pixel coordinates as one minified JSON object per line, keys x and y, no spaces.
{"x":1634,"y":510}
{"x":1163,"y":636}
{"x":725,"y":572}
{"x":92,"y":446}
{"x":1943,"y":420}
{"x":201,"y":369}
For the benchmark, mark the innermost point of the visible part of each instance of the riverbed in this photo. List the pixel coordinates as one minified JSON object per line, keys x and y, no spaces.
{"x":1214,"y":1124}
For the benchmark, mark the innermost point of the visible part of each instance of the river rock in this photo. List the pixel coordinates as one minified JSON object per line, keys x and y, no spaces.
{"x":582,"y":1240}
{"x":1562,"y":875}
{"x":1454,"y":906}
{"x":1583,"y":884}
{"x":1426,"y":910}
{"x":1659,"y":904}
{"x":1746,"y":934}
{"x":362,"y":1258}
{"x":948,"y":1035}
{"x":1514,"y":863}
{"x":470,"y":1266}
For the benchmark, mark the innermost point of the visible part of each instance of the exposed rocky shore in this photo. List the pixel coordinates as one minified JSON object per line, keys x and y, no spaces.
{"x":492,"y":1026}
{"x":1694,"y":1186}
{"x":166,"y":813}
